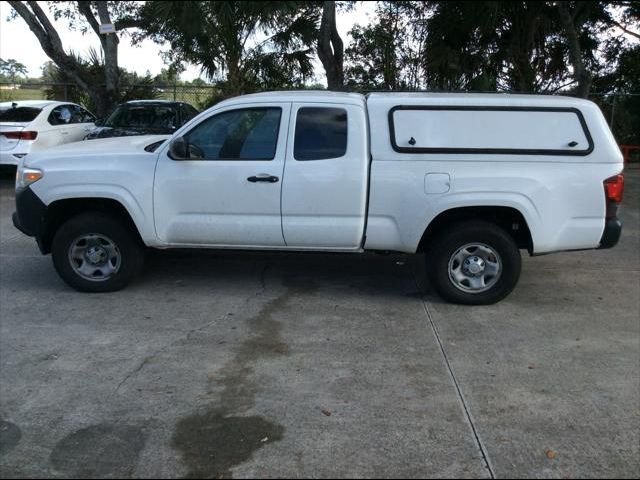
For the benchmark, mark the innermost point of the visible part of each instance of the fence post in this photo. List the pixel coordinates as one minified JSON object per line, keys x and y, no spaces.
{"x":174,"y":91}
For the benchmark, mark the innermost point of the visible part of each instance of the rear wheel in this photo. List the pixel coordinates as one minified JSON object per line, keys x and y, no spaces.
{"x":95,"y":252}
{"x":474,"y":263}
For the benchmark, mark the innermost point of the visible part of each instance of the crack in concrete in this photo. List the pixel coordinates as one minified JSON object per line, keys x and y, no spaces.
{"x":454,"y":379}
{"x":146,"y":360}
{"x":149,"y":358}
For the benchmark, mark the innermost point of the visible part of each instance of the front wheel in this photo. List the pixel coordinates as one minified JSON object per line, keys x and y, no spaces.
{"x":474,"y":263}
{"x":95,"y":252}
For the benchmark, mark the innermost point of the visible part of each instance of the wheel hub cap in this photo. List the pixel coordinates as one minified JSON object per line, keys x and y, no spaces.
{"x":96,"y":255}
{"x":473,"y":265}
{"x":475,"y":268}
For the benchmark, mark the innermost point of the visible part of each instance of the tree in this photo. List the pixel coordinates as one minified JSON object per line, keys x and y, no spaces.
{"x":514,"y":46}
{"x":132,"y":86}
{"x":241,"y":46}
{"x":167,"y":76}
{"x":89,"y":15}
{"x":11,"y":68}
{"x":573,"y":19}
{"x":48,"y":70}
{"x":330,"y":47}
{"x":387,"y":54}
{"x":372,"y":58}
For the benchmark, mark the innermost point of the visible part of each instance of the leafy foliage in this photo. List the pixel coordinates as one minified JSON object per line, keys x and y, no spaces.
{"x":483,"y":45}
{"x":10,"y":69}
{"x":242,"y":46}
{"x":133,"y":87}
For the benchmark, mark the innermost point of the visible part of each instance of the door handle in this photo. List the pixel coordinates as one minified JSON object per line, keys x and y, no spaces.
{"x":263,"y":177}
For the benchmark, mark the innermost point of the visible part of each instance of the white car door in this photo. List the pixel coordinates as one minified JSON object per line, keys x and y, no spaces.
{"x":57,"y":128}
{"x":226,"y":190}
{"x":324,"y":195}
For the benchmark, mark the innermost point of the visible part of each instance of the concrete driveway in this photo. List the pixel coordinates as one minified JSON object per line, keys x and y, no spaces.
{"x":288,"y":365}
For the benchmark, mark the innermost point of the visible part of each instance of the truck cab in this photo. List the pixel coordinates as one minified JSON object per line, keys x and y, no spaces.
{"x":268,"y":171}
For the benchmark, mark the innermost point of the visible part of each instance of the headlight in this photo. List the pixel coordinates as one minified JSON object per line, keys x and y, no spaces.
{"x":26,"y":176}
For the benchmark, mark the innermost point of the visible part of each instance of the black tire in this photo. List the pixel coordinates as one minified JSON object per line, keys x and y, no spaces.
{"x":450,"y":242}
{"x":125,"y":263}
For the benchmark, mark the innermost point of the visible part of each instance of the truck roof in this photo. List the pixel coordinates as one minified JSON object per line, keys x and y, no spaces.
{"x":319,"y":96}
{"x":475,"y":99}
{"x":395,"y":98}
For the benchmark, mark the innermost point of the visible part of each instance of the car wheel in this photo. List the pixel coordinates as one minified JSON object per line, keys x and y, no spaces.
{"x":95,"y":252}
{"x":474,"y":263}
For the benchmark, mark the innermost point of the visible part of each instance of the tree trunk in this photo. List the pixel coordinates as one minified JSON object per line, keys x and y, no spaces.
{"x":110,"y":49}
{"x":580,"y":72}
{"x":104,"y":97}
{"x":331,"y":48}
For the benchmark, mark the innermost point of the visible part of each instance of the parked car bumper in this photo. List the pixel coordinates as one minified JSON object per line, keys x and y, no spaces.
{"x":10,"y":158}
{"x":612,"y":232}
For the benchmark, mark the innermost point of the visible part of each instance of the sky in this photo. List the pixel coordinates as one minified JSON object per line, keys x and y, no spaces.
{"x":19,"y":43}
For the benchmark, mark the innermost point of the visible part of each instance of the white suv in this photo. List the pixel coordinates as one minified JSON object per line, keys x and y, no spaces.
{"x":31,"y":125}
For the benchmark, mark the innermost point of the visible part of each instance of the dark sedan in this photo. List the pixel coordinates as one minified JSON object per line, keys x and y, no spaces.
{"x":144,"y":117}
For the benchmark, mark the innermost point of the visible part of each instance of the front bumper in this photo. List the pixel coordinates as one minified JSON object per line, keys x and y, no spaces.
{"x":29,"y":216}
{"x":612,"y":232}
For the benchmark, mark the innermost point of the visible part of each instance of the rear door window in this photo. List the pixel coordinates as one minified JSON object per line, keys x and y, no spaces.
{"x":321,"y":133}
{"x":61,"y":115}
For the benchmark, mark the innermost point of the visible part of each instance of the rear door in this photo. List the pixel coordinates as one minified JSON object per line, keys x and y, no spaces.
{"x":58,"y":128}
{"x":324,"y":194}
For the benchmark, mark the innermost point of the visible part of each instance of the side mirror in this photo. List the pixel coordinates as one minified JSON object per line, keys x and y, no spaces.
{"x":179,"y":149}
{"x":99,"y":122}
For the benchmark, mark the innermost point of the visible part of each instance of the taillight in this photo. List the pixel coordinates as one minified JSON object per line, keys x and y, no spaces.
{"x":20,"y":135}
{"x":614,"y":188}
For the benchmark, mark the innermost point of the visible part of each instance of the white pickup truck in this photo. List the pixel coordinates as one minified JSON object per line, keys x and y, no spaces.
{"x":470,"y":179}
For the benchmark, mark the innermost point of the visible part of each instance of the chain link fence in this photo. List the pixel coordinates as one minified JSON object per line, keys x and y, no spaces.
{"x":197,"y":95}
{"x":622,"y":110}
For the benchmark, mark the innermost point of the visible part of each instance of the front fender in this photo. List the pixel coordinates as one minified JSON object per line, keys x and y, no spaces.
{"x":120,"y":194}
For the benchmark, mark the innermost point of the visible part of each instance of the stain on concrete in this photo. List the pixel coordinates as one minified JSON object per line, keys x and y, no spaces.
{"x":103,"y":450}
{"x":213,"y":443}
{"x":216,"y":440}
{"x":10,"y":436}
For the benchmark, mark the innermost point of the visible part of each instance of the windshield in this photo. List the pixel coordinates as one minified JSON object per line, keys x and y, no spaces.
{"x":156,"y":117}
{"x":19,"y":114}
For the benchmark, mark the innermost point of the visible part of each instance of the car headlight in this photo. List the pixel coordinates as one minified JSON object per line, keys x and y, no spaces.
{"x":26,"y":176}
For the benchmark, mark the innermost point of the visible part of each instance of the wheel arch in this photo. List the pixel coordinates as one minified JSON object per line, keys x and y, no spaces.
{"x":508,"y":218}
{"x":62,"y":210}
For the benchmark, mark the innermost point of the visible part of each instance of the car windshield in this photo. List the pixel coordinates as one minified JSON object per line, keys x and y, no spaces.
{"x":19,"y":114}
{"x":156,"y":117}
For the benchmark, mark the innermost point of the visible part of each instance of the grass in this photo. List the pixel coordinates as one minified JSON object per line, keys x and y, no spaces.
{"x":22,"y":94}
{"x":194,"y":96}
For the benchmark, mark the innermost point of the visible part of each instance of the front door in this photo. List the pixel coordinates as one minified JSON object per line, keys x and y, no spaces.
{"x":226,"y":192}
